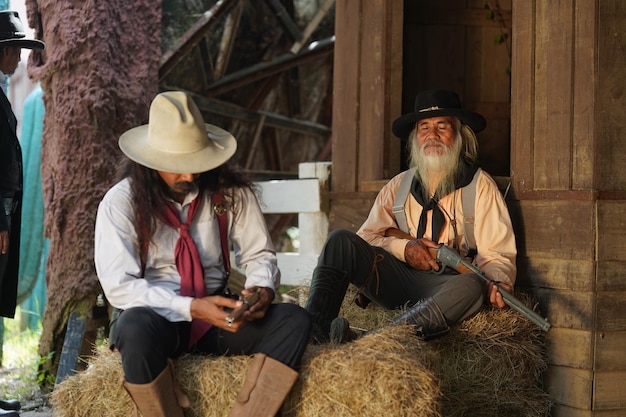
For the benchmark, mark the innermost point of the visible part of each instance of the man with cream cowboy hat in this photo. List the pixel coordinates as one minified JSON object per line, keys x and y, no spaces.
{"x":444,"y":198}
{"x":12,"y":40}
{"x":162,"y":257}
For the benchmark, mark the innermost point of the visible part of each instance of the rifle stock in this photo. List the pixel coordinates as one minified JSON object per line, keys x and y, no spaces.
{"x":447,"y":257}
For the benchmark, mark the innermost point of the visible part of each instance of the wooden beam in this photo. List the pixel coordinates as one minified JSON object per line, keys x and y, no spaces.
{"x":265,"y":69}
{"x":274,"y":120}
{"x":313,"y":24}
{"x":284,"y":19}
{"x":416,"y":13}
{"x":193,"y":36}
{"x":228,"y":40}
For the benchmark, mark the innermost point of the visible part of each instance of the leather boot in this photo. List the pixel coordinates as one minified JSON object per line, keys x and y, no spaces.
{"x":159,"y":398}
{"x":427,"y":318}
{"x":10,"y":405}
{"x":340,"y":331}
{"x":327,"y":291}
{"x":265,"y":388}
{"x":9,"y":413}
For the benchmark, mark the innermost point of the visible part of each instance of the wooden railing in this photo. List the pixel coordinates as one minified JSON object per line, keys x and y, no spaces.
{"x":307,"y":196}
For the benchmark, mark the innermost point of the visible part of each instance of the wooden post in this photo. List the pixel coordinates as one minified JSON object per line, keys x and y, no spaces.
{"x":314,"y":226}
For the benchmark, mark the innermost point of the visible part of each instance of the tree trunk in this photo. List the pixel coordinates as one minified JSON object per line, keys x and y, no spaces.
{"x":99,"y":73}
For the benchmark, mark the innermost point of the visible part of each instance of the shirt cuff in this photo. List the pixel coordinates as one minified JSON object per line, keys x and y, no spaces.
{"x":182,"y":306}
{"x":397,"y":247}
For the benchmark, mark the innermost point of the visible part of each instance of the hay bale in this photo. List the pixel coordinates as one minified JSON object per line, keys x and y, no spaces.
{"x":380,"y":374}
{"x":488,"y":366}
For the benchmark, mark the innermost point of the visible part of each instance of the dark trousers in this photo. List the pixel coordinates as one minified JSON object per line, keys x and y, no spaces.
{"x":146,"y":340}
{"x":393,"y":284}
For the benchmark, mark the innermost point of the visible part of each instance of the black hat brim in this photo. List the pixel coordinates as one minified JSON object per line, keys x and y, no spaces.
{"x":23,"y":43}
{"x":404,"y":124}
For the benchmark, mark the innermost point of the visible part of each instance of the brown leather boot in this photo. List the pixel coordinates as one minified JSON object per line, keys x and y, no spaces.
{"x":265,"y":388}
{"x":159,"y":398}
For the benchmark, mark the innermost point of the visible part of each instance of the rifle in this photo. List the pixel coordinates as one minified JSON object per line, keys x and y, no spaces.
{"x":447,"y":257}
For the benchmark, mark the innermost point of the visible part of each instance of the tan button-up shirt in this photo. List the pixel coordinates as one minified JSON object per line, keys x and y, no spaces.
{"x":493,"y":231}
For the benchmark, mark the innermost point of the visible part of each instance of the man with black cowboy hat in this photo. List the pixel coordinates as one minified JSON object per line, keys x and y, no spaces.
{"x":162,"y":256}
{"x":12,"y":40}
{"x":427,"y":203}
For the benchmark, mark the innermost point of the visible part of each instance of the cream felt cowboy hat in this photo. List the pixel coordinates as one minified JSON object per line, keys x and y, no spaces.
{"x":176,"y":139}
{"x":12,"y":32}
{"x":436,"y":103}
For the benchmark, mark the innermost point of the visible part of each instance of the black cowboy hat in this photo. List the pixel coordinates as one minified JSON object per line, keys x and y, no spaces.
{"x":12,"y":32}
{"x":436,"y":103}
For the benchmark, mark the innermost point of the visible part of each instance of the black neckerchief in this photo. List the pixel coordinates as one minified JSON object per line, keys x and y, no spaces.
{"x":463,"y":178}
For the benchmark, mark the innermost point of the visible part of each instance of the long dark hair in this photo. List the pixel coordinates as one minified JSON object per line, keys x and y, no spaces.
{"x":150,"y":193}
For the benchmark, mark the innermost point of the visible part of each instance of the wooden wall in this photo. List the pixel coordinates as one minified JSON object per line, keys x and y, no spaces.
{"x":567,"y":121}
{"x":567,"y":141}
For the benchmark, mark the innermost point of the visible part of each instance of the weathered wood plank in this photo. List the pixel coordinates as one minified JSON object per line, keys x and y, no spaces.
{"x":290,"y":196}
{"x":564,"y":411}
{"x":570,"y":348}
{"x":522,"y":76}
{"x":611,"y":223}
{"x":394,"y":69}
{"x":609,"y":351}
{"x":559,"y":274}
{"x":608,"y":391}
{"x":611,"y":276}
{"x":346,"y":78}
{"x":583,"y":114}
{"x":610,"y":100}
{"x":611,"y":312}
{"x":349,"y":214}
{"x":553,"y":96}
{"x":567,"y":309}
{"x":570,"y":386}
{"x":555,"y":229}
{"x":372,"y":92}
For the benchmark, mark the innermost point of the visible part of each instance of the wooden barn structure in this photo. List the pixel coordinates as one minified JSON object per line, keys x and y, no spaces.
{"x":560,"y":117}
{"x":549,"y":77}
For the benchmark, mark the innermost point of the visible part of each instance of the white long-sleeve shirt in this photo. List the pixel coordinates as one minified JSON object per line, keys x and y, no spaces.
{"x":493,"y":231}
{"x":117,"y":257}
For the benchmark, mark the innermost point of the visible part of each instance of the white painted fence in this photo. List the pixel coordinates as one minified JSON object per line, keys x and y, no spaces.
{"x":307,"y":196}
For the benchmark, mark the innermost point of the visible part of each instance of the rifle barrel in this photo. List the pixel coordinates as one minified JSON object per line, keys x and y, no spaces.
{"x":450,"y":258}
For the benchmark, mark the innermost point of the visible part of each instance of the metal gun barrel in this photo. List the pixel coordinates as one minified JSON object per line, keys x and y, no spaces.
{"x":448,"y":257}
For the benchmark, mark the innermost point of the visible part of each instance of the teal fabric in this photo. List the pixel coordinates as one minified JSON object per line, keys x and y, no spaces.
{"x":34,"y":246}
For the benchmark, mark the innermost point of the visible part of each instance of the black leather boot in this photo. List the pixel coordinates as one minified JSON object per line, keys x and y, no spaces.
{"x":10,"y":405}
{"x":340,"y":331}
{"x":427,"y":318}
{"x":327,"y":291}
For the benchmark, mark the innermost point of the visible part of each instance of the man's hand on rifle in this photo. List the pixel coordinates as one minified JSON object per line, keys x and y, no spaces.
{"x":417,"y":254}
{"x":494,"y":297}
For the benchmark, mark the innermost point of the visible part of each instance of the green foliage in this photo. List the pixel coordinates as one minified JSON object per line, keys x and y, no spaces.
{"x":500,"y":38}
{"x":20,"y":376}
{"x":43,"y":377}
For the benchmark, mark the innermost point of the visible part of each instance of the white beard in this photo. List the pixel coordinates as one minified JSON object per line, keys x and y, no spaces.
{"x":437,"y":171}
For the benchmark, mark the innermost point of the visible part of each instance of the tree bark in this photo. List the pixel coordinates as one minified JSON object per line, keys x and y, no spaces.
{"x":99,"y":73}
